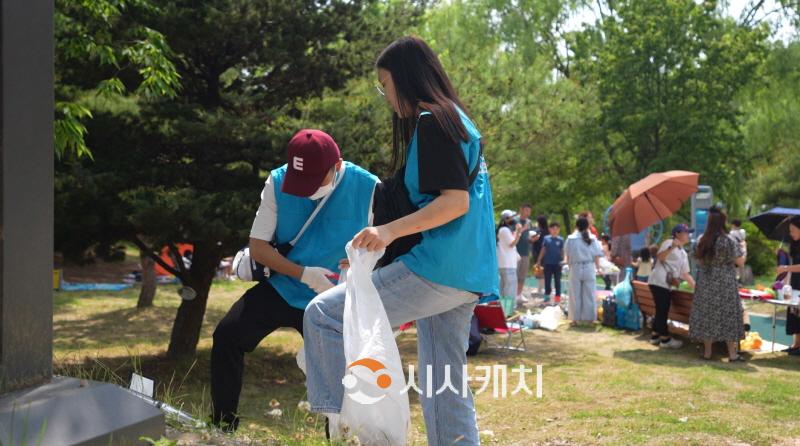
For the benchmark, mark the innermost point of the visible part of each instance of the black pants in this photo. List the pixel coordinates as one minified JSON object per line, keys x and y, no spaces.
{"x":663,"y":299}
{"x":254,"y":316}
{"x":607,"y":282}
{"x":551,"y":272}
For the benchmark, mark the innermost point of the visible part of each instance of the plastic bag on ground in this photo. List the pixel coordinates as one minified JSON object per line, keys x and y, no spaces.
{"x":548,"y":319}
{"x":375,"y":406}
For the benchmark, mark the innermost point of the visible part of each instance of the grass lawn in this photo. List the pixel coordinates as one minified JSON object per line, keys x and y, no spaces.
{"x":600,"y":386}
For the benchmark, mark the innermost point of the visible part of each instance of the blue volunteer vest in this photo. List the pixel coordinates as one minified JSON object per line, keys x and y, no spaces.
{"x":345,"y":213}
{"x":460,"y":254}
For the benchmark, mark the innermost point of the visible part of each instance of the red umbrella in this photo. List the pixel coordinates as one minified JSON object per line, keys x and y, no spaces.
{"x":651,"y":200}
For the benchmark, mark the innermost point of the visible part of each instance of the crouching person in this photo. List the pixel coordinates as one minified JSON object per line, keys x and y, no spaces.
{"x":314,"y":177}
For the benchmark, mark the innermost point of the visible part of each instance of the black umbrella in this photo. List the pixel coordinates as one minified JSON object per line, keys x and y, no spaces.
{"x":774,"y":222}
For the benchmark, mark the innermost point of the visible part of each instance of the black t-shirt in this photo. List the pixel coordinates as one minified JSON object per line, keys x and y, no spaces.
{"x":795,"y":280}
{"x":442,"y":164}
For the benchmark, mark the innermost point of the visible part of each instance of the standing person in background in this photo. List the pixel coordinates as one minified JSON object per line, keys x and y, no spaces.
{"x":605,"y":243}
{"x":590,"y":218}
{"x":739,"y":235}
{"x":672,"y":262}
{"x":437,"y":283}
{"x":644,"y":264}
{"x":538,"y":241}
{"x":583,"y":256}
{"x":551,"y":257}
{"x":523,"y":249}
{"x":621,"y":254}
{"x":793,"y":270}
{"x":508,"y":234}
{"x":716,"y":307}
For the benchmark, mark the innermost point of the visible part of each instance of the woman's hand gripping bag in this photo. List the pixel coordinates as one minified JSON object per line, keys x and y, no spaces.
{"x":375,"y":407}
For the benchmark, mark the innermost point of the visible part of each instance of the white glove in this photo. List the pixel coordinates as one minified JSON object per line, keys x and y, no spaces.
{"x":314,"y":277}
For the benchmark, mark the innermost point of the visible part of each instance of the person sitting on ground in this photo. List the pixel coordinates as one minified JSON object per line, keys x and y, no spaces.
{"x":551,"y":258}
{"x":716,"y":307}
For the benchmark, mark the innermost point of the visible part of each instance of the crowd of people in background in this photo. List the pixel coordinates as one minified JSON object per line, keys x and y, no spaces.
{"x":718,"y":255}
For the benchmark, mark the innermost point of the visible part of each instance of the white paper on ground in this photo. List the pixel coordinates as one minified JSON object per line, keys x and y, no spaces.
{"x":142,"y":385}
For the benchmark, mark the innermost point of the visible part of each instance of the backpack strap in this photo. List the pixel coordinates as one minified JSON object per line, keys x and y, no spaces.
{"x":477,"y":169}
{"x":316,"y":211}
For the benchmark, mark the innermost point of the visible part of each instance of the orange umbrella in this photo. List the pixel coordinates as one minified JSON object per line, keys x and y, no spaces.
{"x":651,"y":200}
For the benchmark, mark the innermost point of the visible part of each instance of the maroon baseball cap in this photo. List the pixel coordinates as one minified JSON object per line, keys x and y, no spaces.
{"x":311,"y":155}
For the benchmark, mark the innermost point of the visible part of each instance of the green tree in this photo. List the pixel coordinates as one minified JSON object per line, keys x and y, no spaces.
{"x":190,"y":169}
{"x":667,"y":75}
{"x":503,"y":58}
{"x":100,"y":52}
{"x":771,"y":127}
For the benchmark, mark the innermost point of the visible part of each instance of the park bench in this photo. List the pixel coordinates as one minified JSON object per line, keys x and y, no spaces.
{"x":679,"y":309}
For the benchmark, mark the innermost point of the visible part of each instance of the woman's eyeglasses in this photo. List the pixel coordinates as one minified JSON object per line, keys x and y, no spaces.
{"x":380,"y":90}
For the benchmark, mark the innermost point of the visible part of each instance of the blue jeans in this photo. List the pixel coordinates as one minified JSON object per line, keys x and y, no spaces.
{"x":443,"y":317}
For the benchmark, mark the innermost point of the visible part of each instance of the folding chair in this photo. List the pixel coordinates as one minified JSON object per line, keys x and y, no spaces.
{"x":491,"y":316}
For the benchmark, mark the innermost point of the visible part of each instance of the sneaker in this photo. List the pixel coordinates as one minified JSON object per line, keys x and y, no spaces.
{"x":558,"y":298}
{"x":655,"y":341}
{"x":794,"y":353}
{"x":522,"y":299}
{"x":672,"y":343}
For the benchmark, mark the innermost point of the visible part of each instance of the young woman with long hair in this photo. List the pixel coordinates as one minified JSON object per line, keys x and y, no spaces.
{"x":793,"y":313}
{"x":716,"y":308}
{"x":438,"y":282}
{"x":583,"y":256}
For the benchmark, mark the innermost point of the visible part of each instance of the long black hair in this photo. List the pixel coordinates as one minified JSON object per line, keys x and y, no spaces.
{"x":541,"y":221}
{"x":794,"y":245}
{"x":644,"y":254}
{"x":582,"y":224}
{"x":715,"y":228}
{"x":421,"y":84}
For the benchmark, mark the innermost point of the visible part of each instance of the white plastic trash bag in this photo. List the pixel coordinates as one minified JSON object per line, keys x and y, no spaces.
{"x":607,"y":267}
{"x":375,"y":406}
{"x":548,"y":319}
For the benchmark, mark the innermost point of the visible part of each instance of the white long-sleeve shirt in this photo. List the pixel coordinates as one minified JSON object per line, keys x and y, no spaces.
{"x":266,"y":220}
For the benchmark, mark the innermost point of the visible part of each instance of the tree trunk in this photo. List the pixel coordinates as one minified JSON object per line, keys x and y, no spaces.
{"x":567,"y":220}
{"x":148,"y":292}
{"x":189,"y":318}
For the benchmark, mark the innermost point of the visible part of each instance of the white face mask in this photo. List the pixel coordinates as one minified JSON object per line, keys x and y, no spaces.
{"x":324,"y":190}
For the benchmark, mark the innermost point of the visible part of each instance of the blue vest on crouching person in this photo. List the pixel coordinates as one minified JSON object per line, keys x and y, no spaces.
{"x":342,"y":217}
{"x":462,"y":253}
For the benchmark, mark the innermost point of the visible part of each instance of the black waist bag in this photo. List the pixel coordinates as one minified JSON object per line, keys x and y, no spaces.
{"x":392,"y":202}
